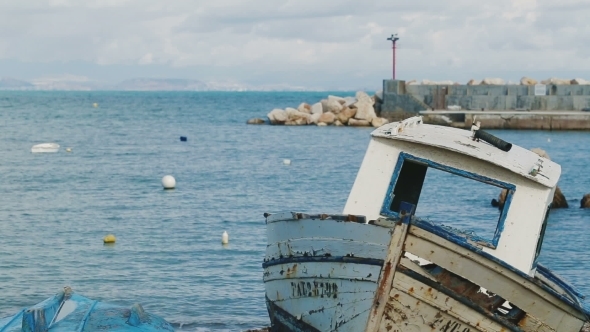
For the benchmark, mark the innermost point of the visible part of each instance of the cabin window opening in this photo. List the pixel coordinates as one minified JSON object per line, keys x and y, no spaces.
{"x":456,"y":200}
{"x":542,"y":235}
{"x":409,"y":184}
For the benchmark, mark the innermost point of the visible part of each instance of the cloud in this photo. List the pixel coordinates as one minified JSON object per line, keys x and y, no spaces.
{"x":313,"y":43}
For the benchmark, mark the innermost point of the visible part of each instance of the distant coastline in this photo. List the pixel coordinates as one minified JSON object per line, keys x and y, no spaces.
{"x":74,"y":83}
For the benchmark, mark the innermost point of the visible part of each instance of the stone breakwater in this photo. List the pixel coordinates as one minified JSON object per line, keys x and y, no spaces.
{"x":361,"y":110}
{"x":498,"y":81}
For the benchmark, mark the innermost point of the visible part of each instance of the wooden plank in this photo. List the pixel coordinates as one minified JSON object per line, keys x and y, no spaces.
{"x":394,"y":254}
{"x":489,"y":275}
{"x":426,"y":307}
{"x":451,"y":306}
{"x":501,"y":270}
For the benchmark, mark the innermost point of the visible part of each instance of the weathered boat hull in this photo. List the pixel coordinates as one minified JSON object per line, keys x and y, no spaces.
{"x":431,"y":277}
{"x":67,"y":312}
{"x":464,"y":289}
{"x":320,"y":272}
{"x":459,"y":289}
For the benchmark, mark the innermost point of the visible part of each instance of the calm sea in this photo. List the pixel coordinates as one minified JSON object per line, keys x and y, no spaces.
{"x":56,"y":208}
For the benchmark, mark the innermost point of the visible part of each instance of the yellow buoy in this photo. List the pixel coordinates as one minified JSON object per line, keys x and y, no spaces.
{"x":109,"y":239}
{"x":95,"y":105}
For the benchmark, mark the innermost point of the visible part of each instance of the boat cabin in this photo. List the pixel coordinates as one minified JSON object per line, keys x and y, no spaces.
{"x":402,"y":155}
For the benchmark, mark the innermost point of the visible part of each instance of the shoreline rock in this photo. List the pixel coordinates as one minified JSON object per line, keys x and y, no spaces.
{"x":361,"y":110}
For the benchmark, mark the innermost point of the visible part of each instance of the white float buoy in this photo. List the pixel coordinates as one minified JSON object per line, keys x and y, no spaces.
{"x":287,"y":161}
{"x":224,"y":238}
{"x":168,"y":182}
{"x":549,"y":140}
{"x":68,"y":149}
{"x":95,"y":105}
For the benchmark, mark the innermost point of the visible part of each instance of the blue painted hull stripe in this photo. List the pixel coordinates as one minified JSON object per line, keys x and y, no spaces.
{"x":403,"y":156}
{"x":562,"y":283}
{"x":323,"y":259}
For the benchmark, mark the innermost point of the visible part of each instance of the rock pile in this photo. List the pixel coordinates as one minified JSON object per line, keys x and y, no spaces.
{"x":359,"y":111}
{"x":498,"y":81}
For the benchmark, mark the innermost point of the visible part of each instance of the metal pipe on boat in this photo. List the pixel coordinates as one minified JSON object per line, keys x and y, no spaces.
{"x":493,"y":140}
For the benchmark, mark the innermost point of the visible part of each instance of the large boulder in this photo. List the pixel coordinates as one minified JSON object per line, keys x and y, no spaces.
{"x":364,"y":111}
{"x":363,"y":97}
{"x":528,"y":81}
{"x":291,"y":111}
{"x":585,"y":202}
{"x":324,"y":105}
{"x":314,"y":118}
{"x":327,"y":118}
{"x":349,"y":101}
{"x":493,"y":81}
{"x":499,"y":203}
{"x":298,"y":118}
{"x":256,"y":121}
{"x":429,"y":82}
{"x":304,"y":107}
{"x":317,"y":108}
{"x":378,"y":122}
{"x":334,"y":105}
{"x":579,"y":81}
{"x":358,"y":123}
{"x":346,"y":114}
{"x":558,"y":202}
{"x":277,"y":116}
{"x":556,"y":81}
{"x":338,"y":99}
{"x":541,"y":153}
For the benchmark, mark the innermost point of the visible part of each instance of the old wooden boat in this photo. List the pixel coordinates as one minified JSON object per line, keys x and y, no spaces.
{"x":67,"y":311}
{"x":378,"y":266}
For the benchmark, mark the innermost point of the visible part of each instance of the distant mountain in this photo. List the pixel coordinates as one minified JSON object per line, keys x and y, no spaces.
{"x":82,"y":83}
{"x":152,"y":84}
{"x":14,"y":84}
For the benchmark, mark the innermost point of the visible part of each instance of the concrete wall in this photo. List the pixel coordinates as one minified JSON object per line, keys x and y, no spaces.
{"x":399,"y":97}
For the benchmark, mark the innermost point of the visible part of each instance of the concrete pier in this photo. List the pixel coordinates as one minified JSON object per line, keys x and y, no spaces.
{"x":549,"y":107}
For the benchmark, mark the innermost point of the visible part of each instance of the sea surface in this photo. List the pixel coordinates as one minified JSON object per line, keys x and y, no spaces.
{"x":56,"y":208}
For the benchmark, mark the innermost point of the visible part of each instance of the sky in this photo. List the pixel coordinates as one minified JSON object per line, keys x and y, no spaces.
{"x":308,"y":43}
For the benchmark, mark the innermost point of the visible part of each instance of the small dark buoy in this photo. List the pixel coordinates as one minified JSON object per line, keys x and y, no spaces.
{"x":183,"y":138}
